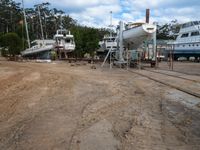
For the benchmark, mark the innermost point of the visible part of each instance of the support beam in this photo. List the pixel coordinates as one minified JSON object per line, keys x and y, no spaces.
{"x":121,"y":46}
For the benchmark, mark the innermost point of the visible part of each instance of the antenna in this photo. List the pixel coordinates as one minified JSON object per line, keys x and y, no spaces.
{"x":25,"y":21}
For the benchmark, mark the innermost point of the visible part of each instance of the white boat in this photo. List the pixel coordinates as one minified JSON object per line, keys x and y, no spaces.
{"x":108,"y":42}
{"x":63,"y":43}
{"x":38,"y":46}
{"x":187,"y":43}
{"x":64,"y":40}
{"x":131,"y":37}
{"x":136,"y":33}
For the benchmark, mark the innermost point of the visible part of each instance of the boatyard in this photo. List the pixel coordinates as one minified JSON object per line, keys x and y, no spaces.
{"x":62,"y":105}
{"x":101,"y":75}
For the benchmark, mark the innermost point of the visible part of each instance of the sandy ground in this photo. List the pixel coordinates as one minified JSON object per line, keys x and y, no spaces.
{"x":57,"y":106}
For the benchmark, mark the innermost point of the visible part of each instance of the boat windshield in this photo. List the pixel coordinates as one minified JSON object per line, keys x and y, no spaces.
{"x":68,"y":40}
{"x":34,"y":43}
{"x":185,"y":25}
{"x":109,"y":39}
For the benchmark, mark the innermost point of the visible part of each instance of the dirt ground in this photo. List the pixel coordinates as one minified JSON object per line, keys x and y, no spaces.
{"x":60,"y":106}
{"x":184,"y":67}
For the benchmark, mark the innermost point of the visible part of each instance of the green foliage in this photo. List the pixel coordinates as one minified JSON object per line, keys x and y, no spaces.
{"x":168,"y":31}
{"x":12,"y":43}
{"x":86,"y":40}
{"x":53,"y":55}
{"x":10,"y":15}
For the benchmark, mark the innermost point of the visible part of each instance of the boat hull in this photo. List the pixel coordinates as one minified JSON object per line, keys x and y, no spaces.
{"x":37,"y":50}
{"x":134,"y":37}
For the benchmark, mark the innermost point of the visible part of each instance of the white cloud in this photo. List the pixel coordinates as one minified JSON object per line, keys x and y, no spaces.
{"x":98,"y":16}
{"x":96,"y":12}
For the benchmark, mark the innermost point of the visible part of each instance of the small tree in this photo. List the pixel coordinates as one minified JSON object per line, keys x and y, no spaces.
{"x":12,"y":42}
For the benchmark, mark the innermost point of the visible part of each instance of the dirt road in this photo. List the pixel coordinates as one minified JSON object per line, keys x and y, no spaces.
{"x":57,"y":106}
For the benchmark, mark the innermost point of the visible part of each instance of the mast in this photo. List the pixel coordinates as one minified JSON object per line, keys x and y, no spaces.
{"x":40,"y":23}
{"x":25,"y":21}
{"x":61,"y":24}
{"x":110,"y":24}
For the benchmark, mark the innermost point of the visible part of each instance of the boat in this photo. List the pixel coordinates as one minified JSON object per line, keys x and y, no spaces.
{"x":64,"y":42}
{"x":187,"y":43}
{"x":131,"y":37}
{"x":39,"y":49}
{"x":108,"y":42}
{"x":136,"y":33}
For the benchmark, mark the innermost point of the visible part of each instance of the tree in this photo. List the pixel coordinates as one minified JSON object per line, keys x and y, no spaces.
{"x":168,"y":31}
{"x":11,"y":42}
{"x":86,"y":40}
{"x":10,"y":15}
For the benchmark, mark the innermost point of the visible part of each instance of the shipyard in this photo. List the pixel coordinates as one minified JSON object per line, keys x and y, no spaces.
{"x":114,"y":85}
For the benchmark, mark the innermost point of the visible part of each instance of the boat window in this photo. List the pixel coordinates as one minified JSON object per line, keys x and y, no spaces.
{"x":196,"y":22}
{"x":184,"y":35}
{"x":197,"y":44}
{"x":34,"y":43}
{"x":67,"y":40}
{"x":195,"y":33}
{"x":186,"y":25}
{"x":49,"y":43}
{"x":190,"y":24}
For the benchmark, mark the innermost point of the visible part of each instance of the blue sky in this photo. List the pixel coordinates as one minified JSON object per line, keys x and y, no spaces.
{"x":96,"y":12}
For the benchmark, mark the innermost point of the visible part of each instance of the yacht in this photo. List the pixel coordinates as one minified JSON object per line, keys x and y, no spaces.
{"x":64,"y":42}
{"x":38,"y":46}
{"x":187,"y":43}
{"x":108,"y":42}
{"x":136,"y":33}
